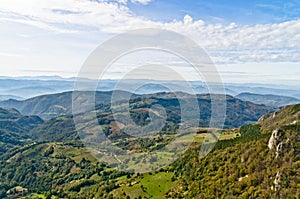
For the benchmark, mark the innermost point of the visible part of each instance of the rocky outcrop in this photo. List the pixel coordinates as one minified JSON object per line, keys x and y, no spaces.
{"x":278,"y":141}
{"x":294,"y":122}
{"x":277,"y":181}
{"x":275,"y":138}
{"x":272,"y":140}
{"x":279,"y":148}
{"x":263,"y":118}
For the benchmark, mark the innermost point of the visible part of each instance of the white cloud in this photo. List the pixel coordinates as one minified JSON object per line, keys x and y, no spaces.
{"x":144,"y":2}
{"x":7,"y":54}
{"x":243,"y":56}
{"x":122,"y":1}
{"x":261,"y":42}
{"x":40,"y":25}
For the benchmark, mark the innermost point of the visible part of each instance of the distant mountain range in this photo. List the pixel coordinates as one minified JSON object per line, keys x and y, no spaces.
{"x":28,"y":87}
{"x":50,"y":106}
{"x":269,"y":100}
{"x":7,"y":97}
{"x":57,"y":109}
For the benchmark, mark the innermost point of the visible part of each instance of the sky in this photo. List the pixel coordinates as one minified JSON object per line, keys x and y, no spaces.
{"x":248,"y":41}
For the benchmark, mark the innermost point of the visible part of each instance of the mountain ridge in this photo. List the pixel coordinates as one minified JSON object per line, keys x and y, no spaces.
{"x":268,"y":99}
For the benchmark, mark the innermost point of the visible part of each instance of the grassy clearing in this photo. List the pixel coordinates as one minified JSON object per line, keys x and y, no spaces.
{"x":150,"y":185}
{"x":74,"y":153}
{"x":34,"y":196}
{"x":229,"y":134}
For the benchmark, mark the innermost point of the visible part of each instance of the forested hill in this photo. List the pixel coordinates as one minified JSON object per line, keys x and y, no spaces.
{"x":50,"y":106}
{"x":14,"y":128}
{"x":255,"y":161}
{"x":53,"y":105}
{"x":238,"y":113}
{"x":263,"y":162}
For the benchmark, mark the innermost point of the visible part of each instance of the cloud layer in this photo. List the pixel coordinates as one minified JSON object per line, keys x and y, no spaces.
{"x":231,"y":43}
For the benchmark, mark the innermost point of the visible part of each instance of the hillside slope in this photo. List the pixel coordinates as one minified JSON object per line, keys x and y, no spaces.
{"x":286,"y":116}
{"x":14,"y":128}
{"x":264,"y":162}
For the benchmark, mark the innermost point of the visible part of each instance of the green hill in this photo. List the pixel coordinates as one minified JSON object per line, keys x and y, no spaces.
{"x":259,"y":160}
{"x":238,"y":113}
{"x":65,"y":170}
{"x":14,"y":128}
{"x":50,"y":106}
{"x":264,"y":162}
{"x":53,"y":105}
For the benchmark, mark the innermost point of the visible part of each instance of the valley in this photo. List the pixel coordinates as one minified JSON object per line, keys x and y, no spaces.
{"x":149,"y":99}
{"x":45,"y":158}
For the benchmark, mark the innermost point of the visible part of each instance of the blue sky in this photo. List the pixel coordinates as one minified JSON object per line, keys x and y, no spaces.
{"x":221,"y":11}
{"x":259,"y":39}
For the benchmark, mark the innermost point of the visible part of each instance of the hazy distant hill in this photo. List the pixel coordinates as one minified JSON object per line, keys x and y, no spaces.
{"x":269,"y":100}
{"x":7,"y":97}
{"x":265,"y":89}
{"x":31,"y":91}
{"x":49,"y":106}
{"x":27,"y":87}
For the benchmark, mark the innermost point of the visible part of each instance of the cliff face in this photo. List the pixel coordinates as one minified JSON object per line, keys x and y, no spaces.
{"x":284,"y":143}
{"x":278,"y":142}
